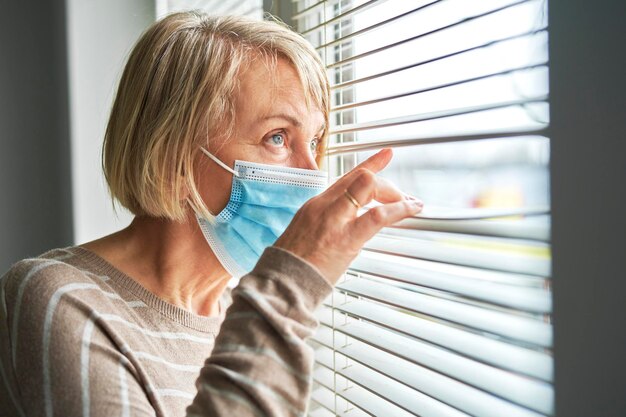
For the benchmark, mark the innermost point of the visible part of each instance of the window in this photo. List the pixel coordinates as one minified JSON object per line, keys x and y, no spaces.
{"x":448,"y":313}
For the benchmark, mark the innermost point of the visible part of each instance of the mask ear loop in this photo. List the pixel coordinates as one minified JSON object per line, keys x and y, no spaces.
{"x":220,"y":163}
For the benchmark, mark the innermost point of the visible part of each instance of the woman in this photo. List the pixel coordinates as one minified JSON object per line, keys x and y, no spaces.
{"x":212,"y":115}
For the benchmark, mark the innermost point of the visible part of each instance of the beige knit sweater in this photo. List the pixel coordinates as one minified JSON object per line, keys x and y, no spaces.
{"x":80,"y":338}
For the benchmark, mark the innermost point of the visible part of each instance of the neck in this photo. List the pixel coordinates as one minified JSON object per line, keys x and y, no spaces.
{"x":170,"y":259}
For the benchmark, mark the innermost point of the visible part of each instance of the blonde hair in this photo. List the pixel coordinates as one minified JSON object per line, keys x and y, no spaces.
{"x":177,"y":87}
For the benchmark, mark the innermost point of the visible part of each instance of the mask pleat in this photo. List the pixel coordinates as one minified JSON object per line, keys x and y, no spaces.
{"x":275,"y":219}
{"x":275,"y":195}
{"x":258,"y":237}
{"x":244,"y":253}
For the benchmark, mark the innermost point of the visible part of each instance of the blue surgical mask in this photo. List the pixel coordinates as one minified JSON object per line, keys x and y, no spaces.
{"x":263,"y":201}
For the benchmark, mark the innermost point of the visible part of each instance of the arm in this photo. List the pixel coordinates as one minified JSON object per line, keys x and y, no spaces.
{"x":260,"y":364}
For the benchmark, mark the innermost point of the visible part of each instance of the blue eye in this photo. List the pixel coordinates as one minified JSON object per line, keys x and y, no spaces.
{"x":277,"y":139}
{"x":313,"y":145}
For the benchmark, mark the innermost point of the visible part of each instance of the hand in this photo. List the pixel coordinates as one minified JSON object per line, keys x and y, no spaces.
{"x":327,"y":232}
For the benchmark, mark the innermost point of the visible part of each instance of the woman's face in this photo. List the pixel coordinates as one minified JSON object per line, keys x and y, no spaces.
{"x":272,"y":126}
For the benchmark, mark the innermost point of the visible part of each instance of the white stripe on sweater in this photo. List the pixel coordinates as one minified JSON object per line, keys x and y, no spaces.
{"x":231,"y":396}
{"x":47,"y":331}
{"x":270,"y":353}
{"x":254,"y":296}
{"x":156,"y":334}
{"x":68,"y":254}
{"x":103,"y":278}
{"x":85,"y":350}
{"x":154,"y":358}
{"x":124,"y":388}
{"x":18,"y":302}
{"x":242,"y":379}
{"x":169,"y":392}
{"x":84,"y":365}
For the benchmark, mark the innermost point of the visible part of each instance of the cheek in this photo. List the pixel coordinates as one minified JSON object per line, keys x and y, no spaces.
{"x":215,"y":186}
{"x":266,"y":154}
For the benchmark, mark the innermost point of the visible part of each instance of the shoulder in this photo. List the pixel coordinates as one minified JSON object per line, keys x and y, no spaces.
{"x":50,"y":335}
{"x":42,"y":274}
{"x":31,"y":284}
{"x":52,"y":295}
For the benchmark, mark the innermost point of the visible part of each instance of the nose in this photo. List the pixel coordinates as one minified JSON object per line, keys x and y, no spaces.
{"x":302,"y":157}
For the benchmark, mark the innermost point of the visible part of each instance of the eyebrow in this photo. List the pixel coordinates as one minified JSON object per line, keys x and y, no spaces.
{"x":295,"y":122}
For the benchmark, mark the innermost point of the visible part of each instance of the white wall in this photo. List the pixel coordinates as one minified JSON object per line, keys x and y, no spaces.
{"x":252,"y":8}
{"x":100,"y":36}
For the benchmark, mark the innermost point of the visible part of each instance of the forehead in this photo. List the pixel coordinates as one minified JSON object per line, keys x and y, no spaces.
{"x":266,"y":89}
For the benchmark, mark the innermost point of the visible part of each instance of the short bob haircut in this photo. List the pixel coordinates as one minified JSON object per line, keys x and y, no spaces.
{"x":177,"y":89}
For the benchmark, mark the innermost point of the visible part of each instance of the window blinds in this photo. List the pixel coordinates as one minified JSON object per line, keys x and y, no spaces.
{"x":447,"y":313}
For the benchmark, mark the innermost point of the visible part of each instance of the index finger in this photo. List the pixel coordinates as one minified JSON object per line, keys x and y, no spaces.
{"x":374,"y":163}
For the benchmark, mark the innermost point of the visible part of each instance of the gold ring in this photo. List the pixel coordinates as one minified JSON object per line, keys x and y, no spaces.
{"x":351,"y":198}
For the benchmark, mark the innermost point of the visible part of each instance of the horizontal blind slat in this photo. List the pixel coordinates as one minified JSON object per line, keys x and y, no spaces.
{"x":324,"y":336}
{"x":320,"y":412}
{"x":532,"y":299}
{"x":439,"y":387}
{"x":522,"y":360}
{"x":370,"y":401}
{"x":517,"y":229}
{"x":319,"y":395}
{"x":349,"y":83}
{"x":308,"y":10}
{"x":324,"y":376}
{"x":323,"y":354}
{"x":431,"y":382}
{"x":510,"y":326}
{"x":521,"y":390}
{"x":533,"y":260}
{"x":436,"y":87}
{"x":324,"y":397}
{"x":411,"y":401}
{"x":342,"y":15}
{"x":395,"y":121}
{"x":377,"y":25}
{"x":474,"y":213}
{"x":421,"y":35}
{"x":368,"y":145}
{"x":448,"y":270}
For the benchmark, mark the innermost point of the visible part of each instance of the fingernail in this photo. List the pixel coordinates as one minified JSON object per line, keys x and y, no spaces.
{"x":416,"y":203}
